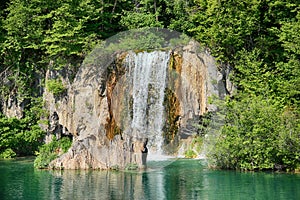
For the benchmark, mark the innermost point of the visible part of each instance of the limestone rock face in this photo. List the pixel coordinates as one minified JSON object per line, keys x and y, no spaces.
{"x":13,"y":106}
{"x":131,"y":104}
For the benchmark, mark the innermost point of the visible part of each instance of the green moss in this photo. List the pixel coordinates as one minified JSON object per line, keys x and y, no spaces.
{"x":131,"y":166}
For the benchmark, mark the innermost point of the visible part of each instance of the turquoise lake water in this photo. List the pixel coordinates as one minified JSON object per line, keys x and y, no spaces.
{"x":181,"y":179}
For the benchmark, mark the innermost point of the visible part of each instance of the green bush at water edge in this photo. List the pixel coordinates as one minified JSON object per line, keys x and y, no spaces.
{"x":7,"y":154}
{"x":258,"y":135}
{"x":50,"y":151}
{"x":194,"y":148}
{"x":22,"y":137}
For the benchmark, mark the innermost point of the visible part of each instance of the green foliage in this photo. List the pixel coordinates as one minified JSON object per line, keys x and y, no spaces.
{"x":58,"y":29}
{"x":140,"y":39}
{"x":143,"y":14}
{"x":194,"y":148}
{"x":176,"y":17}
{"x":258,"y":135}
{"x":50,"y":151}
{"x":133,"y":20}
{"x":131,"y":166}
{"x":55,"y":86}
{"x":7,"y":154}
{"x":158,"y":13}
{"x":36,"y":35}
{"x":258,"y":38}
{"x":203,"y":124}
{"x":197,"y":143}
{"x":147,"y":39}
{"x":228,"y":27}
{"x":190,"y":154}
{"x":23,"y":136}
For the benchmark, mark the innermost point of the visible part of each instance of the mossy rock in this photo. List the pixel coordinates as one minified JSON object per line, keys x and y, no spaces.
{"x":132,"y":166}
{"x":190,"y":154}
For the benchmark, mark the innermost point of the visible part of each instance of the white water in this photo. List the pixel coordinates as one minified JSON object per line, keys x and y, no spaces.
{"x":159,"y":157}
{"x":149,"y":71}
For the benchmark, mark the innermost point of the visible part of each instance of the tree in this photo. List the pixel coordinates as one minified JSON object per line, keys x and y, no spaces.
{"x":176,"y":17}
{"x":258,"y":135}
{"x":259,"y":40}
{"x":21,"y":137}
{"x":144,"y":13}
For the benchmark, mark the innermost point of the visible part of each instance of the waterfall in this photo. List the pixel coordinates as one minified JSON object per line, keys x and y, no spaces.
{"x":149,"y":75}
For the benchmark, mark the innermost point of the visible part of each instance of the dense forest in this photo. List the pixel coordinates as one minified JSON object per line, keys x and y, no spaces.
{"x":258,"y":39}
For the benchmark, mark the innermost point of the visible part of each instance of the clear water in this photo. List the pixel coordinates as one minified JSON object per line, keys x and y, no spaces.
{"x":181,"y":179}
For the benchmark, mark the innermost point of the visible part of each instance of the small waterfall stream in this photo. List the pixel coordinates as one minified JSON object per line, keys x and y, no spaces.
{"x":149,"y":75}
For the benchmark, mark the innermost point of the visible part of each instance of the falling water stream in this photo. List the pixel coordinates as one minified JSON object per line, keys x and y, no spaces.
{"x":149,"y":76}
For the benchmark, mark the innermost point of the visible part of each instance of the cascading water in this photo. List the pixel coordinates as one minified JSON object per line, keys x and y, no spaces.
{"x":149,"y":75}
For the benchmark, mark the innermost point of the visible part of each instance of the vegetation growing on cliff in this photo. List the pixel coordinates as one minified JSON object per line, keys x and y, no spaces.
{"x":55,"y":86}
{"x":259,"y":39}
{"x":50,"y":151}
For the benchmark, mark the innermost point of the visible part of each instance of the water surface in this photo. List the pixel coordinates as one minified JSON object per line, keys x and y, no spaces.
{"x":181,"y":179}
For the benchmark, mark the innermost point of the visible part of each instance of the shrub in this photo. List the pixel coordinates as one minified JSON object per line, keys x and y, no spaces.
{"x":190,"y":154}
{"x":258,"y":135}
{"x":51,"y":151}
{"x":21,"y":136}
{"x":55,"y":86}
{"x":7,"y":154}
{"x":195,"y":147}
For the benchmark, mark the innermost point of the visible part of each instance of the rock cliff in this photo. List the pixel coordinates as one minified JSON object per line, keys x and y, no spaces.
{"x":125,"y":104}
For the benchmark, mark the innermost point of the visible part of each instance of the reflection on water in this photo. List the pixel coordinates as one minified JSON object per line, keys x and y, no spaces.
{"x":182,"y":179}
{"x":106,"y":185}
